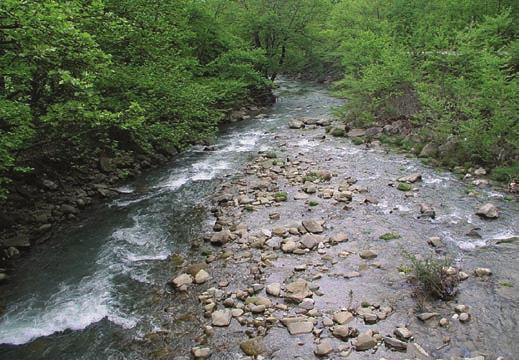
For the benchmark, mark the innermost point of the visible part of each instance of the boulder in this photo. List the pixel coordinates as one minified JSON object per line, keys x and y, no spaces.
{"x":201,"y":353}
{"x":183,"y":280}
{"x":253,"y":347}
{"x":427,"y":210}
{"x":342,"y":317}
{"x":297,"y":291}
{"x":373,"y":132}
{"x":365,"y":341}
{"x":429,"y":150}
{"x":403,"y":333}
{"x":338,"y":238}
{"x":295,"y":124}
{"x":482,"y":272}
{"x":274,"y":289}
{"x":106,"y":165}
{"x":289,"y":246}
{"x":221,"y":238}
{"x":368,"y":254}
{"x":69,"y":209}
{"x":488,"y":211}
{"x":310,"y":241}
{"x":298,"y":325}
{"x":343,"y":332}
{"x":49,"y":185}
{"x":412,"y":178}
{"x":202,"y":276}
{"x":221,"y":318}
{"x":313,"y":226}
{"x":427,"y":315}
{"x":395,"y":343}
{"x":354,"y":133}
{"x":324,"y":348}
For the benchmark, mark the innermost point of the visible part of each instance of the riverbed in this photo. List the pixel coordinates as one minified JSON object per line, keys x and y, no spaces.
{"x":98,"y":289}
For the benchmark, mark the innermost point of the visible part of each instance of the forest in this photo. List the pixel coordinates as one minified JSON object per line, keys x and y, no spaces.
{"x":82,"y":79}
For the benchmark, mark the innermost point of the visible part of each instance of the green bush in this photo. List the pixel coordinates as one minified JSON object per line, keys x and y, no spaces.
{"x":432,"y":278}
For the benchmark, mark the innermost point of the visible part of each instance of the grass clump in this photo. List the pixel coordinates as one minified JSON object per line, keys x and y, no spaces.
{"x":506,"y":173}
{"x":281,"y":196}
{"x":357,"y":141}
{"x":432,"y":277}
{"x":389,"y":236}
{"x":312,"y":177}
{"x":313,"y":203}
{"x":506,"y":283}
{"x":403,"y":268}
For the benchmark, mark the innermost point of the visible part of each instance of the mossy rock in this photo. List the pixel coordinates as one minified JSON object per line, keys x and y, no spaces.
{"x":337,"y":132}
{"x":281,"y":196}
{"x":404,"y":187}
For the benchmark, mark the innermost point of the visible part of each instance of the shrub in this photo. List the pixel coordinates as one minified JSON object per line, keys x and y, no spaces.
{"x":432,"y":277}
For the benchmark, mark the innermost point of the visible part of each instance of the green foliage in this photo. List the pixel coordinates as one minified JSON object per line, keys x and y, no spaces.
{"x":506,"y":173}
{"x":432,"y":277}
{"x":79,"y":78}
{"x":450,"y":67}
{"x":285,"y":31}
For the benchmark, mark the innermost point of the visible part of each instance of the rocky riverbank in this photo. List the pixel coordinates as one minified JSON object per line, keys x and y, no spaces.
{"x":43,"y":201}
{"x":403,"y":135}
{"x":312,"y":262}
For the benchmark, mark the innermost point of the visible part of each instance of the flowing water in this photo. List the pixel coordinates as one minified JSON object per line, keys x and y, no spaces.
{"x":96,"y":290}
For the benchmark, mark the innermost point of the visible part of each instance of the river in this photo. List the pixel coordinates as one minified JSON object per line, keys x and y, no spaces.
{"x":97,"y":290}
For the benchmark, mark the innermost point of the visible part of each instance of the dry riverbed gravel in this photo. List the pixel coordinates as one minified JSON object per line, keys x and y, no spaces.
{"x":306,"y":262}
